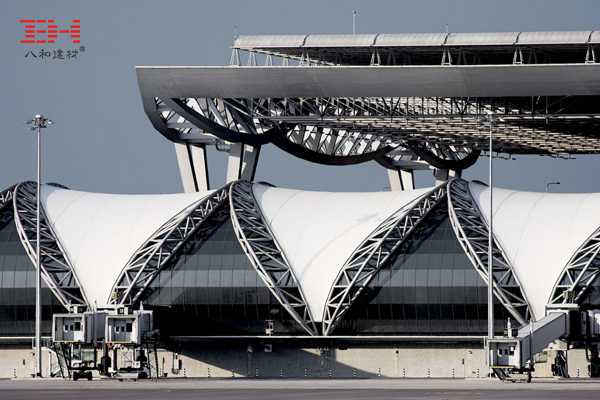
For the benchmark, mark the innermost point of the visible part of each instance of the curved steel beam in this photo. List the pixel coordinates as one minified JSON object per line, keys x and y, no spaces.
{"x":266,"y":255}
{"x":374,"y":253}
{"x":440,"y":163}
{"x":472,"y":232}
{"x":57,"y":271}
{"x":162,"y":246}
{"x":6,"y":197}
{"x":216,"y":129}
{"x":579,"y":273}
{"x":326,"y":159}
{"x":151,"y":110}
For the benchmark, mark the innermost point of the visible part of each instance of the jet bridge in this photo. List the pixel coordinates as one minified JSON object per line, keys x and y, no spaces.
{"x":514,"y":353}
{"x":125,"y":332}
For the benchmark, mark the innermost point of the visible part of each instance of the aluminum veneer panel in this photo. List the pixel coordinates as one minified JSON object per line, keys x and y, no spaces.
{"x":366,"y":81}
{"x":319,"y":230}
{"x":539,"y":232}
{"x":100,"y":232}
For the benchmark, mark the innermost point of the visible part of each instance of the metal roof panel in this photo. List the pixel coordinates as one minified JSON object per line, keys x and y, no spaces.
{"x":482,"y":39}
{"x":411,"y":39}
{"x":268,"y":41}
{"x":339,"y":40}
{"x":539,"y":38}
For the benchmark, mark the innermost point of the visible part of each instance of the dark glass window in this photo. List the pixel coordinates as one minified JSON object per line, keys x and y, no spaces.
{"x":592,"y":299}
{"x":429,"y":288}
{"x":17,"y":286}
{"x":213,"y":289}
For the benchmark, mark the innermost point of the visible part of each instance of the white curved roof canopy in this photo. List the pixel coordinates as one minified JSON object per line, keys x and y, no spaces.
{"x":100,"y":232}
{"x":318,"y":231}
{"x":539,"y":233}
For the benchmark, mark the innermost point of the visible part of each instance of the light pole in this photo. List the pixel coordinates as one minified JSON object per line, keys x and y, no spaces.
{"x":551,"y":183}
{"x":38,"y":122}
{"x":490,"y":120}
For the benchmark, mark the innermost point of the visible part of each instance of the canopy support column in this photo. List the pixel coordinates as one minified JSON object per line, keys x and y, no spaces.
{"x":401,"y":179}
{"x":193,"y":167}
{"x":251,"y":154}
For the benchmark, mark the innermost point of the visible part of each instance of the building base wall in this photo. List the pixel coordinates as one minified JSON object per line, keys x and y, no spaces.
{"x":227,"y":360}
{"x":17,"y":361}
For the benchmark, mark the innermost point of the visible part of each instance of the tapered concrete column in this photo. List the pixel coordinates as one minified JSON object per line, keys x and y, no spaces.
{"x":234,"y":165}
{"x":243,"y":160}
{"x":250,"y":162}
{"x":200,"y":167}
{"x":454,"y":174}
{"x":185,"y":168}
{"x":401,"y":179}
{"x":193,"y":167}
{"x":443,"y":175}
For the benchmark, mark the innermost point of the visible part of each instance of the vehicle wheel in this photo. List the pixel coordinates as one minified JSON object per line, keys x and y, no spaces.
{"x":529,"y":377}
{"x":75,"y":376}
{"x":89,"y":376}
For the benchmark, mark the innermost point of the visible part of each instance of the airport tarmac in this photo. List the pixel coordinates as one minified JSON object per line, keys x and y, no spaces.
{"x":334,"y":389}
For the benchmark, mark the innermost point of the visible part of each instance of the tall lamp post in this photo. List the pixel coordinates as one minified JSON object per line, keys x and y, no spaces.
{"x":39,"y":122}
{"x":490,"y":120}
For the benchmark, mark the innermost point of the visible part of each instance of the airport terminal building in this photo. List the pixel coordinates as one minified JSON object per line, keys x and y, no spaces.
{"x":248,"y":279}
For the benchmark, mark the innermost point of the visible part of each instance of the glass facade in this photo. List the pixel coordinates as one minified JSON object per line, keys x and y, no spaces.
{"x":430,"y":288}
{"x":592,"y":299}
{"x":213,"y":289}
{"x":17,"y":287}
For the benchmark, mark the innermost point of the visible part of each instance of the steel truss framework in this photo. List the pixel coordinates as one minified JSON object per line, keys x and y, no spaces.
{"x":266,"y":255}
{"x":163,"y":246}
{"x":420,"y":49}
{"x":375,"y":252}
{"x":6,"y":201}
{"x":472,"y":232}
{"x":579,"y":273}
{"x":57,"y":271}
{"x":394,"y":131}
{"x":251,"y":121}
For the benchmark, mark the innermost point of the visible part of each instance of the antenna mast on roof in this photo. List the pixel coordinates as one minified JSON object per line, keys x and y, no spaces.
{"x":354,"y":22}
{"x":446,"y":29}
{"x":235,"y":32}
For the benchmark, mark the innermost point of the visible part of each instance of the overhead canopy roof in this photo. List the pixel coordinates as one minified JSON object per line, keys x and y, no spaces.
{"x":435,"y":104}
{"x":362,"y":81}
{"x":389,"y":88}
{"x":264,"y":42}
{"x":422,"y":48}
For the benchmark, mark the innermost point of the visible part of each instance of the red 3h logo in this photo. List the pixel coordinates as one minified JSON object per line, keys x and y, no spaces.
{"x":48,"y":31}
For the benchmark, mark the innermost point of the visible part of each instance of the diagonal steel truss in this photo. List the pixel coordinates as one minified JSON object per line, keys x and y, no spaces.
{"x":162,"y":246}
{"x":338,"y":128}
{"x":373,"y":254}
{"x":57,"y":271}
{"x":266,"y":255}
{"x":579,"y":274}
{"x":304,"y":128}
{"x":472,"y":232}
{"x":6,"y":199}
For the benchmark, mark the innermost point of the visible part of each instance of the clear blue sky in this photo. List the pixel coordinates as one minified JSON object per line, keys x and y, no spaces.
{"x":102,"y":140}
